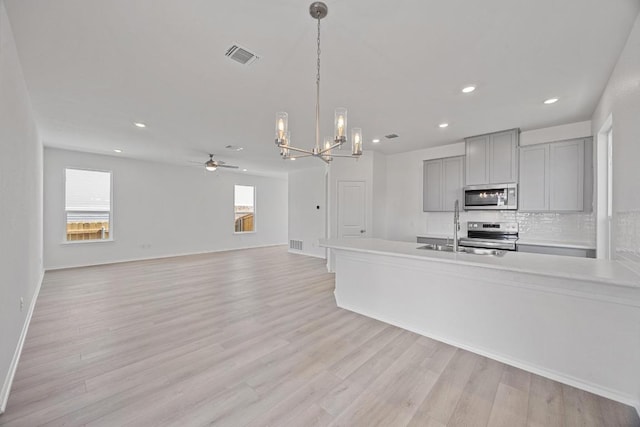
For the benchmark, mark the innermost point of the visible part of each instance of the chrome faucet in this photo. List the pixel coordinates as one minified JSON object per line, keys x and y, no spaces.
{"x":456,"y":225}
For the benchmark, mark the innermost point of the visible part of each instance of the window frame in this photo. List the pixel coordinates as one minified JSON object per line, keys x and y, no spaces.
{"x":254,"y":209}
{"x":64,"y":207}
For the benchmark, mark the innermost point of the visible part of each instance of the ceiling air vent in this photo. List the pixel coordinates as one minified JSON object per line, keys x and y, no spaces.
{"x":241,"y":55}
{"x":391,"y":136}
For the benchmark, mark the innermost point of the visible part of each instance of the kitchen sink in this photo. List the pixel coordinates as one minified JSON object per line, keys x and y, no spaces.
{"x":463,"y":249}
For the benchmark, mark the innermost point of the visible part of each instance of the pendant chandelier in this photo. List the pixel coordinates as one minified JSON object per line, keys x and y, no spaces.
{"x":324,"y":151}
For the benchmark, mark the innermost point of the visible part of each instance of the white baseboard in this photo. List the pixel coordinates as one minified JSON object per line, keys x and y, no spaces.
{"x":538,"y":370}
{"x":6,"y":387}
{"x":119,"y":261}
{"x":291,"y":251}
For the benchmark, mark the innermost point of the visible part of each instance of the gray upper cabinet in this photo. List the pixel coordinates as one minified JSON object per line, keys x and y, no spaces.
{"x":453,"y":175}
{"x":477,"y":160}
{"x":503,"y":158}
{"x":566,"y":171}
{"x":492,"y":158}
{"x":443,"y":181}
{"x":534,"y":178}
{"x":432,"y":189}
{"x":552,"y":177}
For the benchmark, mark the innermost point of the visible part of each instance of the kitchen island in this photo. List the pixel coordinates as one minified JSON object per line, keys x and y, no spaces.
{"x":574,"y":320}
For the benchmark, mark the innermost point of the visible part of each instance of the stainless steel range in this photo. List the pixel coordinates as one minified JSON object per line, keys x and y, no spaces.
{"x":491,"y":235}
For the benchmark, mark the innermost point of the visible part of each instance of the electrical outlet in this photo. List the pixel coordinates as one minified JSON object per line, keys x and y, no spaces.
{"x":21,"y":303}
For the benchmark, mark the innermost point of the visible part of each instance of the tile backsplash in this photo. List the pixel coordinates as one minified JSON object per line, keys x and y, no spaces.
{"x":626,"y":229}
{"x":573,"y":227}
{"x":565,"y":227}
{"x":626,"y":235}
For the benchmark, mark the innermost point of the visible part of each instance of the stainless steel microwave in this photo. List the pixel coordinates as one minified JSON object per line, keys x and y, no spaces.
{"x":502,"y":197}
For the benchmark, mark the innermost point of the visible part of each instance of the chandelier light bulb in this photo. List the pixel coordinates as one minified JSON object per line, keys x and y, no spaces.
{"x":356,"y":141}
{"x":340,"y":123}
{"x":282,"y":124}
{"x":328,"y":142}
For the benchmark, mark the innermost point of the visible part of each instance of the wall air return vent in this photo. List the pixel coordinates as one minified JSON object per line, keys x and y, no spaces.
{"x":241,"y":55}
{"x":295,"y":244}
{"x":391,"y":136}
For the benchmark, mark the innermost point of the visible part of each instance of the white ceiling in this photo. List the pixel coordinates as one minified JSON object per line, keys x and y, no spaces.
{"x":93,"y":67}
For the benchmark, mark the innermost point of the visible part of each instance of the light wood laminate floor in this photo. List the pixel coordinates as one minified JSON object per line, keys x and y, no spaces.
{"x":254,"y":337}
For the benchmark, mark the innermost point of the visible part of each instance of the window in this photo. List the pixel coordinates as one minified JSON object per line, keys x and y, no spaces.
{"x":87,"y":204}
{"x":244,"y":208}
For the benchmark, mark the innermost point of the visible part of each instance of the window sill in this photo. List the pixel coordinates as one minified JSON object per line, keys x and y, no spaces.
{"x":73,"y":242}
{"x":244,"y":232}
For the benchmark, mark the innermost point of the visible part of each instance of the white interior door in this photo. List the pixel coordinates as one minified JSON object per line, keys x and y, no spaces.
{"x":352,"y":220}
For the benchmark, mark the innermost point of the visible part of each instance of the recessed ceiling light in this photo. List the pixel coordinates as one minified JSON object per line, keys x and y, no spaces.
{"x":244,"y":170}
{"x":117,"y":150}
{"x":443,"y":125}
{"x":468,"y":89}
{"x":140,"y":125}
{"x":551,"y":101}
{"x":293,"y":158}
{"x":375,"y":141}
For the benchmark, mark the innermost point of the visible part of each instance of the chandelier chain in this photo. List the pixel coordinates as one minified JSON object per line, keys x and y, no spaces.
{"x":318,"y":74}
{"x":318,"y":90}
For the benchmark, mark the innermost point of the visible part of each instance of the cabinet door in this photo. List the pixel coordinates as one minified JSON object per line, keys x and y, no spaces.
{"x":432,"y":186}
{"x":453,"y":177}
{"x":503,"y":160}
{"x":477,"y":160}
{"x":566,"y":175}
{"x":534,"y":178}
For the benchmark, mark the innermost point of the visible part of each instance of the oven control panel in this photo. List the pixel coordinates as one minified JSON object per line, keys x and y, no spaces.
{"x":496,"y":227}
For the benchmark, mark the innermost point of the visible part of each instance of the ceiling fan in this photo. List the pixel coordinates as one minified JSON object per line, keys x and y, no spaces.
{"x":213,"y":164}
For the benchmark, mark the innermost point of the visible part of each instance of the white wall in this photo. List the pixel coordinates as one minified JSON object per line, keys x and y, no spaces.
{"x":160,"y":210}
{"x":311,"y":187}
{"x":379,"y":202}
{"x":405,"y":218}
{"x":307,"y":223}
{"x":21,"y":201}
{"x":351,"y":170}
{"x":621,"y":99}
{"x":556,"y":133}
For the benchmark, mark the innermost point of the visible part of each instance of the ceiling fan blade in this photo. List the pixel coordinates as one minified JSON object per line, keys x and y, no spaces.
{"x":227,"y":166}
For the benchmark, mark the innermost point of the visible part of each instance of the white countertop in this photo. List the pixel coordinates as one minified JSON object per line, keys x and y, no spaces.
{"x":587,"y":269}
